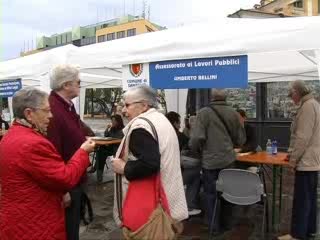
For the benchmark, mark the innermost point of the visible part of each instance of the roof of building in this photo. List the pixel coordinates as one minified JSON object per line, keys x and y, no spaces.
{"x":257,"y":11}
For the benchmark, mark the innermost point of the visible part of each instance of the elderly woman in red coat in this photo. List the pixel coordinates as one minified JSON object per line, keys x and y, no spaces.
{"x":33,"y":176}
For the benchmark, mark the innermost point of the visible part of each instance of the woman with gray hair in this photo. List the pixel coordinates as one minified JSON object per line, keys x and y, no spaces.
{"x":149,"y":150}
{"x":33,"y":176}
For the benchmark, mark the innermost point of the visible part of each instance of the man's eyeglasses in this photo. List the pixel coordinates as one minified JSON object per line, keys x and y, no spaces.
{"x":46,"y":110}
{"x":129,"y":104}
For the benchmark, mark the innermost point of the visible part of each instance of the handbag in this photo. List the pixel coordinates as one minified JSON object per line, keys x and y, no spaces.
{"x":151,"y":218}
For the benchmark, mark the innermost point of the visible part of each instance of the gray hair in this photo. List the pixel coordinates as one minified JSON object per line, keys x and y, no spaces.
{"x":61,"y":74}
{"x":29,"y":97}
{"x":218,"y":94}
{"x":300,"y":87}
{"x":143,"y":93}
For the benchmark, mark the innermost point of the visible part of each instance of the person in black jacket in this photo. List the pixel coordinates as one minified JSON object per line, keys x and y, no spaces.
{"x":4,"y":124}
{"x":115,"y":131}
{"x":251,"y":143}
{"x":190,"y":175}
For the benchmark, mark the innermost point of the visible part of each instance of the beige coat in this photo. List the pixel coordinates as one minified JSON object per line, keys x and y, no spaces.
{"x":170,"y":162}
{"x":305,"y":136}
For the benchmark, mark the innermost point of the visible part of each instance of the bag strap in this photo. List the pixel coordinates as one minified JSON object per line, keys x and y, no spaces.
{"x":158,"y":180}
{"x":119,"y":186}
{"x":119,"y":177}
{"x":222,"y":120}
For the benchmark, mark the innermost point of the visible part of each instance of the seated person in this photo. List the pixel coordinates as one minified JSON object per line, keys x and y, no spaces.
{"x":115,"y":131}
{"x":186,"y":130}
{"x":190,"y":172}
{"x":3,"y":126}
{"x":3,"y":122}
{"x":251,"y":144}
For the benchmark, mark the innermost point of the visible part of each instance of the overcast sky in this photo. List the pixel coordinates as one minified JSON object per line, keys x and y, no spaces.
{"x":24,"y":20}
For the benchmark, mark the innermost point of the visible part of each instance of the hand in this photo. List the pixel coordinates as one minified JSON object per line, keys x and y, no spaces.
{"x":88,"y":145}
{"x":293,"y":164}
{"x":287,"y":158}
{"x":66,"y":200}
{"x":118,"y":165}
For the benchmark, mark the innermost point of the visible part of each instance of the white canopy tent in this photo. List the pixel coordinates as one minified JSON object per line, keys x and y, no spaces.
{"x":278,"y":49}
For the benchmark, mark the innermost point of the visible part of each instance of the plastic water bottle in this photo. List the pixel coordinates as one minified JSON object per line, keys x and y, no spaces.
{"x":269,"y":147}
{"x":274,"y":147}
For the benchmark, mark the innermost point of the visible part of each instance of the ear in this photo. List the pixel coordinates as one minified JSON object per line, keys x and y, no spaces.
{"x":28,"y":113}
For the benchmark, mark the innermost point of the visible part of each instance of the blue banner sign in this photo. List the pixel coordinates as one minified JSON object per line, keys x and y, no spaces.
{"x":9,"y":87}
{"x":217,"y":72}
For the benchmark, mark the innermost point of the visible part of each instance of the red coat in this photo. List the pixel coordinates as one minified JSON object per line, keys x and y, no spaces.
{"x":33,"y":179}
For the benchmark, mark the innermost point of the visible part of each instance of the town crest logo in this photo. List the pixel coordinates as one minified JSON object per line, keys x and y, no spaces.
{"x":136,"y":69}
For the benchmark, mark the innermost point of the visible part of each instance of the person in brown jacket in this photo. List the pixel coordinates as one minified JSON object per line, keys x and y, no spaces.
{"x":304,"y":157}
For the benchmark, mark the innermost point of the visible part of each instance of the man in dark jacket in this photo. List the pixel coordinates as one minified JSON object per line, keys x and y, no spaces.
{"x":67,"y":132}
{"x":217,"y":130}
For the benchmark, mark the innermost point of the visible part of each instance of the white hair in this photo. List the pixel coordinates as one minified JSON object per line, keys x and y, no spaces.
{"x":143,"y":93}
{"x":300,"y":87}
{"x":28,"y":97}
{"x":61,"y":74}
{"x":218,"y":94}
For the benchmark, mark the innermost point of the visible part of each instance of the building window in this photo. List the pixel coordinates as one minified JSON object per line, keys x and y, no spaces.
{"x":101,"y":38}
{"x":121,"y":34}
{"x":87,"y":41}
{"x":244,"y":99}
{"x":279,"y":105}
{"x":298,"y":4}
{"x":111,"y":36}
{"x":131,"y":32}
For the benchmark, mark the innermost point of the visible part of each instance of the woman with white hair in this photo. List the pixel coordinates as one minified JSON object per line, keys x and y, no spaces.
{"x":150,"y":148}
{"x":34,"y":178}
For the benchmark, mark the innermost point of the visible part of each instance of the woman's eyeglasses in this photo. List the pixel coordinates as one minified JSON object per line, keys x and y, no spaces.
{"x":129,"y":104}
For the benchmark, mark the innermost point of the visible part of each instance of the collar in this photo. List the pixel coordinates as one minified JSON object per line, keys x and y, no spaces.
{"x":306,"y":98}
{"x":144,"y":114}
{"x":68,"y":104}
{"x":25,"y":123}
{"x":218,"y":102}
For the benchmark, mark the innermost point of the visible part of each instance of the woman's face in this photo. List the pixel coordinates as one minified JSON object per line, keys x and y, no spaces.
{"x":40,"y":116}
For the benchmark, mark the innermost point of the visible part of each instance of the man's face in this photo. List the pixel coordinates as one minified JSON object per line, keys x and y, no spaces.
{"x":73,"y":88}
{"x":133,"y":108}
{"x":242,"y":119}
{"x":293,"y":94}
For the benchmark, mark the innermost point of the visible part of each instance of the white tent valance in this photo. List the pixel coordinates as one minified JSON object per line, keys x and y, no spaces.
{"x":278,"y":49}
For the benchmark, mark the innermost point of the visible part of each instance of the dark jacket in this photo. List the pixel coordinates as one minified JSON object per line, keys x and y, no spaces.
{"x":211,"y":139}
{"x":114,"y":133}
{"x":251,"y":143}
{"x":65,"y":130}
{"x":6,"y":125}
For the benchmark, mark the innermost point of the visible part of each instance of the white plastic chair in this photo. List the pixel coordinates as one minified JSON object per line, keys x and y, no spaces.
{"x":240,"y":187}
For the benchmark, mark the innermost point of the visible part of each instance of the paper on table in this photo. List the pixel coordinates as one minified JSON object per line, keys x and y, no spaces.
{"x":244,"y":154}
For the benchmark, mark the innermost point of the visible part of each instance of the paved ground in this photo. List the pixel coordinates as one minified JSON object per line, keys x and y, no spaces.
{"x":244,"y":226}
